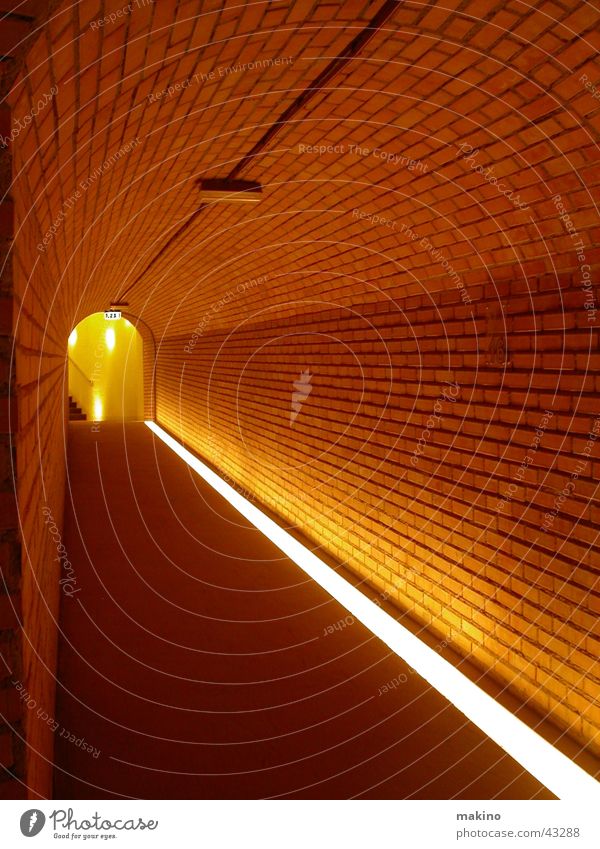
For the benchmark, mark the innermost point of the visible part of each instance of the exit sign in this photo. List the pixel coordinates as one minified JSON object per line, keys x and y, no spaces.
{"x":112,"y":315}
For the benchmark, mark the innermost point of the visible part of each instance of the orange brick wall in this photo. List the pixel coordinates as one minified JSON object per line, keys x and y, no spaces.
{"x":429,"y":523}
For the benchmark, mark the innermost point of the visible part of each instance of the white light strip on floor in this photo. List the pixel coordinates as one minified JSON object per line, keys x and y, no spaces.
{"x":553,"y":769}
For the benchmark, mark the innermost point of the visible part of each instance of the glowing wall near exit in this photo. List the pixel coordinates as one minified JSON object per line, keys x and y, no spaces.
{"x":106,"y":369}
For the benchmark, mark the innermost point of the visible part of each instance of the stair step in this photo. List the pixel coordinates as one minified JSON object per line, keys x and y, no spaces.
{"x":76,"y":414}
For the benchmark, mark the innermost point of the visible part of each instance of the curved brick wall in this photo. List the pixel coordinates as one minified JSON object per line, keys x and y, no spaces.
{"x":434,"y":473}
{"x":410,"y":282}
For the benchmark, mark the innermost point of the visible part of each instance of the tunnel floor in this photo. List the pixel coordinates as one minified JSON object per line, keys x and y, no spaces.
{"x":199,"y":663}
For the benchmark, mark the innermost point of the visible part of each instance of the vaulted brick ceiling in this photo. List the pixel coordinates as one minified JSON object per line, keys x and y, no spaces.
{"x":501,"y":77}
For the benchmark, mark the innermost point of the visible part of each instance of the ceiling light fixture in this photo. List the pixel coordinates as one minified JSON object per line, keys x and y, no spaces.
{"x":230,"y":191}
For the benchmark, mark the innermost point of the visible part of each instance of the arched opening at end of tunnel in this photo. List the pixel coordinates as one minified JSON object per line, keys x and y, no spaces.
{"x":105,"y":370}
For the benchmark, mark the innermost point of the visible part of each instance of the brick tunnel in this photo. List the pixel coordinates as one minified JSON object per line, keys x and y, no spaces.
{"x":354,"y":242}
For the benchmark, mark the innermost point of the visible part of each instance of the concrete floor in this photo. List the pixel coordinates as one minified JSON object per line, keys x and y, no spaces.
{"x":195,"y":659}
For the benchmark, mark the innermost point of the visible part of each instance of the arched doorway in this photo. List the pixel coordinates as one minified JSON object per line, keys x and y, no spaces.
{"x":106,"y":370}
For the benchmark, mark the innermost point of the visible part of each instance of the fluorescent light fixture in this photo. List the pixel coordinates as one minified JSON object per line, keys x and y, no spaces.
{"x":230,"y":191}
{"x":110,"y":338}
{"x":73,"y":337}
{"x":98,"y":409}
{"x":550,"y":766}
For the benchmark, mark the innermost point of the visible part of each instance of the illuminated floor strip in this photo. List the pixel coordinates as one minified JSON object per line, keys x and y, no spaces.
{"x":553,"y":769}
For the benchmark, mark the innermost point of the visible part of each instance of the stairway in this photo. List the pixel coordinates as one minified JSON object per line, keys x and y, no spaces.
{"x":76,"y":414}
